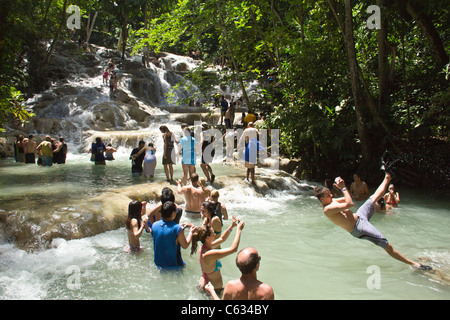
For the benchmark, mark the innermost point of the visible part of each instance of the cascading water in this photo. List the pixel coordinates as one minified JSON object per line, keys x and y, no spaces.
{"x":81,"y":103}
{"x":80,"y":109}
{"x":72,"y":216}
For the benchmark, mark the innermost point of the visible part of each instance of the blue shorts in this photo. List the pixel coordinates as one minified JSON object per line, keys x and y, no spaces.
{"x":364,"y":229}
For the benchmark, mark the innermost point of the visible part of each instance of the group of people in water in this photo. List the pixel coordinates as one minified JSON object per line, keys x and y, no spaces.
{"x":144,"y":160}
{"x":360,"y":192}
{"x":337,"y":201}
{"x":201,"y":204}
{"x":45,"y":154}
{"x":208,"y":236}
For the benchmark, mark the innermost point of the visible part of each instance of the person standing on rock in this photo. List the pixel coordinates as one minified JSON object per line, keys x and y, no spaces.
{"x":188,"y":154}
{"x":105,"y":76}
{"x":250,"y":135}
{"x":223,"y":108}
{"x":207,"y":139}
{"x":149,"y":160}
{"x":113,"y":81}
{"x":168,"y":154}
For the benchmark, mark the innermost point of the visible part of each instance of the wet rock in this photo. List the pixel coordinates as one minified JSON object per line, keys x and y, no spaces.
{"x":288,"y":165}
{"x":37,"y":226}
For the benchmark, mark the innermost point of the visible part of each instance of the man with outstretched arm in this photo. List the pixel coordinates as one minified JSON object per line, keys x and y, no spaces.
{"x":357,"y":224}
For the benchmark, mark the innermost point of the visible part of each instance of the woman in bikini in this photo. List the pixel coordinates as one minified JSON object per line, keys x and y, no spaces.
{"x":392,"y":198}
{"x":209,"y":256}
{"x":136,"y":221}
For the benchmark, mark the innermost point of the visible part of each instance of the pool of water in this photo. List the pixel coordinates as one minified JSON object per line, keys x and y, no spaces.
{"x":304,"y":256}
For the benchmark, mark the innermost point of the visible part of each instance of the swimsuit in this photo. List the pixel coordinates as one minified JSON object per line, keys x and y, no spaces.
{"x":132,"y":248}
{"x":391,"y":201}
{"x":192,"y":214}
{"x":217,"y":268}
{"x":364,"y":229}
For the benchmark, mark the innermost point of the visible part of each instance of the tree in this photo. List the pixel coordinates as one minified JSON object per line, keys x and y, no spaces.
{"x":43,"y":66}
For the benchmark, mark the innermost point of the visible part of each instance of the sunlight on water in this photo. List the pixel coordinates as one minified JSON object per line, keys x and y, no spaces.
{"x":304,"y":256}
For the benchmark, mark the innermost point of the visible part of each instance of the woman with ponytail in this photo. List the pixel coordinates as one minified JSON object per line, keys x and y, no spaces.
{"x":209,"y":257}
{"x":210,"y":217}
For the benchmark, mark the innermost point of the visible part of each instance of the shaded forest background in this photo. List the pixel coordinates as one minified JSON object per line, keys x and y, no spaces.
{"x":341,"y":94}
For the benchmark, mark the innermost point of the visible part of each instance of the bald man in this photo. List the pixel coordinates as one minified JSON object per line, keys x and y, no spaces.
{"x":247,"y":287}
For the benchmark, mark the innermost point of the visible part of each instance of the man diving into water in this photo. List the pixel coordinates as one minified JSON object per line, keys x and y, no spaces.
{"x":357,"y":224}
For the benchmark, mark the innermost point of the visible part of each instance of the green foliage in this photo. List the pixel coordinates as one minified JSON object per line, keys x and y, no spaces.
{"x":300,"y":45}
{"x":11,"y":105}
{"x":295,"y":49}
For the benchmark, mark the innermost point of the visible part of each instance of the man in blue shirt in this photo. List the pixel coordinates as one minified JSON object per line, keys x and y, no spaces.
{"x":168,"y":237}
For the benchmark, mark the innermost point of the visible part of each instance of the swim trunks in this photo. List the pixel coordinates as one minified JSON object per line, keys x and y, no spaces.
{"x":192,"y":214}
{"x":364,"y":229}
{"x":133,"y":248}
{"x":217,"y":267}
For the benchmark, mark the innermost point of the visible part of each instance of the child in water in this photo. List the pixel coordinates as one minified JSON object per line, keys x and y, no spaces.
{"x":136,"y":221}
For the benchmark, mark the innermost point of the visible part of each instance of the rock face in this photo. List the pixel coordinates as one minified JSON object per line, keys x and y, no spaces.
{"x":79,"y":100}
{"x":78,"y":106}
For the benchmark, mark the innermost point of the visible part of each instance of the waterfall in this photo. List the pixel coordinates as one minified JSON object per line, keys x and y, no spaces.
{"x":80,"y":105}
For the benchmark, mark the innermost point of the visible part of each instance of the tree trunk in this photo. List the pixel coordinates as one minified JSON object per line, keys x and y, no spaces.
{"x":124,"y":37}
{"x":119,"y":43}
{"x":426,"y":24}
{"x":383,"y":87}
{"x":90,"y":26}
{"x":261,"y":35}
{"x":230,"y":52}
{"x":358,"y":95}
{"x":301,"y":20}
{"x":43,"y":67}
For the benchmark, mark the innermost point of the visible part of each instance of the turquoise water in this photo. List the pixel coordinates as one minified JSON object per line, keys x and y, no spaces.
{"x":304,"y":256}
